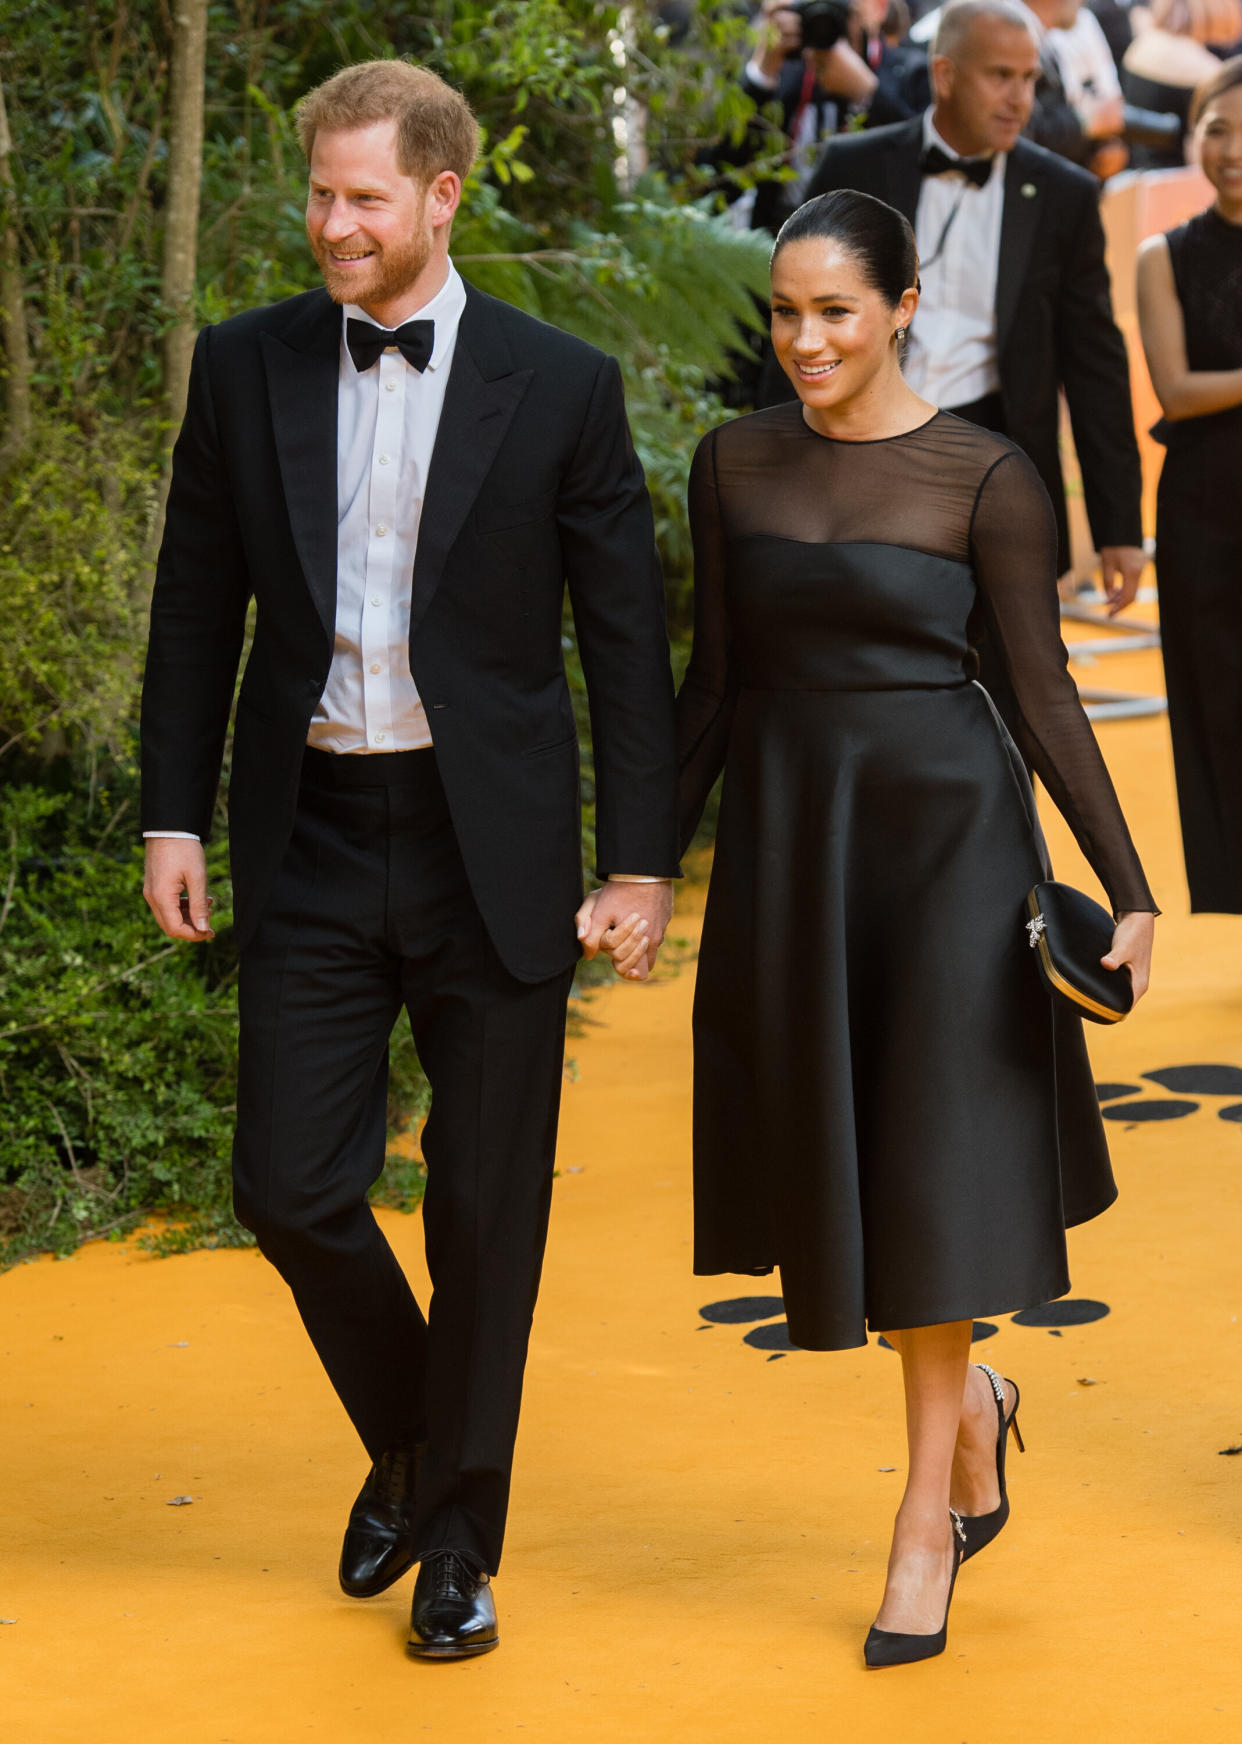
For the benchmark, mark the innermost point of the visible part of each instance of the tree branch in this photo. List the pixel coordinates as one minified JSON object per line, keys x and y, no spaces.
{"x":185,"y":174}
{"x":12,"y":307}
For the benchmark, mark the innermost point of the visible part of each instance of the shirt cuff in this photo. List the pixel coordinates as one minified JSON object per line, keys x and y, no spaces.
{"x":635,"y":878}
{"x":755,"y":73}
{"x":170,"y":836}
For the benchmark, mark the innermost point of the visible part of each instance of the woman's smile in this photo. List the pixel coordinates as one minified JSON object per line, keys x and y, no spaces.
{"x":816,"y":371}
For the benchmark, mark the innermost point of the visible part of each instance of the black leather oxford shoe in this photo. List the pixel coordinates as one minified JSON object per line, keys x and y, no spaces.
{"x":379,"y":1540}
{"x":454,"y":1614}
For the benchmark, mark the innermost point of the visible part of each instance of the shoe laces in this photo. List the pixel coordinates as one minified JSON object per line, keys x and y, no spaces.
{"x":393,"y":1475}
{"x":452,"y":1577}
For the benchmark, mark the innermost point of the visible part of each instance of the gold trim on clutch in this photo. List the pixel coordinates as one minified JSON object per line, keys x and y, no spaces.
{"x":1035,"y":927}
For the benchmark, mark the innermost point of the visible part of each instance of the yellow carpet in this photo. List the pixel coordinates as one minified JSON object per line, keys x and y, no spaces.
{"x":699,"y":1523}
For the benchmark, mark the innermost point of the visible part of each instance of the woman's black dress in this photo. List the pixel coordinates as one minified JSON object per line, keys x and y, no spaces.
{"x":885,"y":1107}
{"x":1199,"y":571}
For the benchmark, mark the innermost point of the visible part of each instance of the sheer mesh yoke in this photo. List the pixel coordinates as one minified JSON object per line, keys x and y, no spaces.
{"x":827,"y":565}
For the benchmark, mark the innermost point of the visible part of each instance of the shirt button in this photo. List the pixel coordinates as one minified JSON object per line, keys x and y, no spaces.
{"x":379,"y":738}
{"x":376,"y":600}
{"x":376,"y":667}
{"x":380,"y":531}
{"x":383,"y":460}
{"x":390,"y":387}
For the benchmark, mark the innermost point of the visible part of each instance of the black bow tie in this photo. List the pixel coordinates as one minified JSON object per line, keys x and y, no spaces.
{"x":413,"y":340}
{"x":938,"y":163}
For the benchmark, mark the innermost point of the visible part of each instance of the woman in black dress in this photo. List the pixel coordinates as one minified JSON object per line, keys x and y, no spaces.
{"x":885,"y":1106}
{"x":1190,"y":314}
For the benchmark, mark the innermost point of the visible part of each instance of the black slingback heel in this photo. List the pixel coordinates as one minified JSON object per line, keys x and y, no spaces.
{"x":981,"y":1529}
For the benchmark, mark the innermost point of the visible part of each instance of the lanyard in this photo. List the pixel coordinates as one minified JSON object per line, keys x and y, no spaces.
{"x":934,"y":256}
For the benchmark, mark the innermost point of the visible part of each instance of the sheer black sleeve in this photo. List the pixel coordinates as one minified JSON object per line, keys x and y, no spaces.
{"x":1013,"y":547}
{"x":708,"y":693}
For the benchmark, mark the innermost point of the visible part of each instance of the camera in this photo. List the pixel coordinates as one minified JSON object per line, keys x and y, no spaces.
{"x":824,"y":22}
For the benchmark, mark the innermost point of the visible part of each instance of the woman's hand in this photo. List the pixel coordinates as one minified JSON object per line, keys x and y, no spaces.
{"x":618,"y":920}
{"x":1132,"y":943}
{"x":626,"y":943}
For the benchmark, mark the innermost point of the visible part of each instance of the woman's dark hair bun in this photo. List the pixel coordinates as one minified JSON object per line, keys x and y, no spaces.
{"x":877,"y":235}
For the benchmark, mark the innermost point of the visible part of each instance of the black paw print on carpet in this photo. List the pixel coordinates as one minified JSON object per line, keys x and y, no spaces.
{"x":773,"y":1335}
{"x":1117,"y":1100}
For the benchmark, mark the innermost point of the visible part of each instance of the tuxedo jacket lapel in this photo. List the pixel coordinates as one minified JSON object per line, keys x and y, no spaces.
{"x":903,"y":175}
{"x":483,"y":393}
{"x":303,"y":367}
{"x":1024,"y":195}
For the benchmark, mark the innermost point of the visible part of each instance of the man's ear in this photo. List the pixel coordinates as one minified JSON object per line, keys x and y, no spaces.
{"x":443,"y":198}
{"x":943,"y":73}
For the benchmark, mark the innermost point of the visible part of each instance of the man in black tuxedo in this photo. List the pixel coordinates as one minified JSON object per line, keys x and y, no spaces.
{"x":403,"y":474}
{"x":1015,"y":300}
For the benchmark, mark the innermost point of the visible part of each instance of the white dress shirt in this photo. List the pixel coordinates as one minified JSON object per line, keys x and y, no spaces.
{"x":387,"y":419}
{"x":1087,"y":66}
{"x":951,"y":357}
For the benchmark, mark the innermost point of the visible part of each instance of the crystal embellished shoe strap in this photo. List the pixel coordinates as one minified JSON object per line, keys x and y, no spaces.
{"x":998,"y":1386}
{"x":958,"y":1528}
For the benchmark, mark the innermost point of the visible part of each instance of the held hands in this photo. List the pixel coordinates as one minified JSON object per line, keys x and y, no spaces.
{"x":175,"y":888}
{"x":1132,"y":942}
{"x":627,"y":922}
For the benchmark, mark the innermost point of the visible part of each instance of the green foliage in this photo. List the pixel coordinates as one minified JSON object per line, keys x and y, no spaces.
{"x":75,"y":519}
{"x":117,"y":1046}
{"x":116,"y":1049}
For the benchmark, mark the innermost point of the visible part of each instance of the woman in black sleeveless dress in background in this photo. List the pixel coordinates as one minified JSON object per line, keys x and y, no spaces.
{"x":885,"y":1106}
{"x":1190,"y":314}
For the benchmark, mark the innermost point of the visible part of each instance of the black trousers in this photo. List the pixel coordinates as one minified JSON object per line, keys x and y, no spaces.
{"x":371,"y":912}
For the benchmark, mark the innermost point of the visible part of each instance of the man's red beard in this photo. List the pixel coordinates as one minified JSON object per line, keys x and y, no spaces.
{"x":387,"y":274}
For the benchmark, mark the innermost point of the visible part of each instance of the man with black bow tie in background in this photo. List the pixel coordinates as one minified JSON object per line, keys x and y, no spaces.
{"x":1015,"y":298}
{"x":403,"y":474}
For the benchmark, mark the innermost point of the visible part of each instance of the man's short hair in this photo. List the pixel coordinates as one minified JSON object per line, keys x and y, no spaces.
{"x":436,"y":130}
{"x":957,"y":20}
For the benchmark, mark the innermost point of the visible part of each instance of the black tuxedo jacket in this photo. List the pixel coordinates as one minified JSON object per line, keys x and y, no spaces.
{"x":1054,"y":317}
{"x":533,"y":483}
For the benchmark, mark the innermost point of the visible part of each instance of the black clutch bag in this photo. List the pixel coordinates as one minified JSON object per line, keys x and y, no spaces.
{"x":1069,"y":934}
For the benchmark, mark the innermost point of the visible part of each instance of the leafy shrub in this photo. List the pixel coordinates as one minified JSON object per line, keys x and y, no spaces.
{"x":117,"y":1046}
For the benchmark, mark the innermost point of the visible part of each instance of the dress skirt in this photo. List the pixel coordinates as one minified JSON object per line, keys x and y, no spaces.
{"x":1199,"y":570}
{"x":887,"y":1104}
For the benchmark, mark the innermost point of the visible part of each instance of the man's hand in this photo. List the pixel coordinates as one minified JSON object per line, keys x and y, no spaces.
{"x":175,"y":887}
{"x":1121,"y":569}
{"x":1109,"y":158}
{"x":842,"y":72}
{"x":1103,"y":117}
{"x":628,"y":921}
